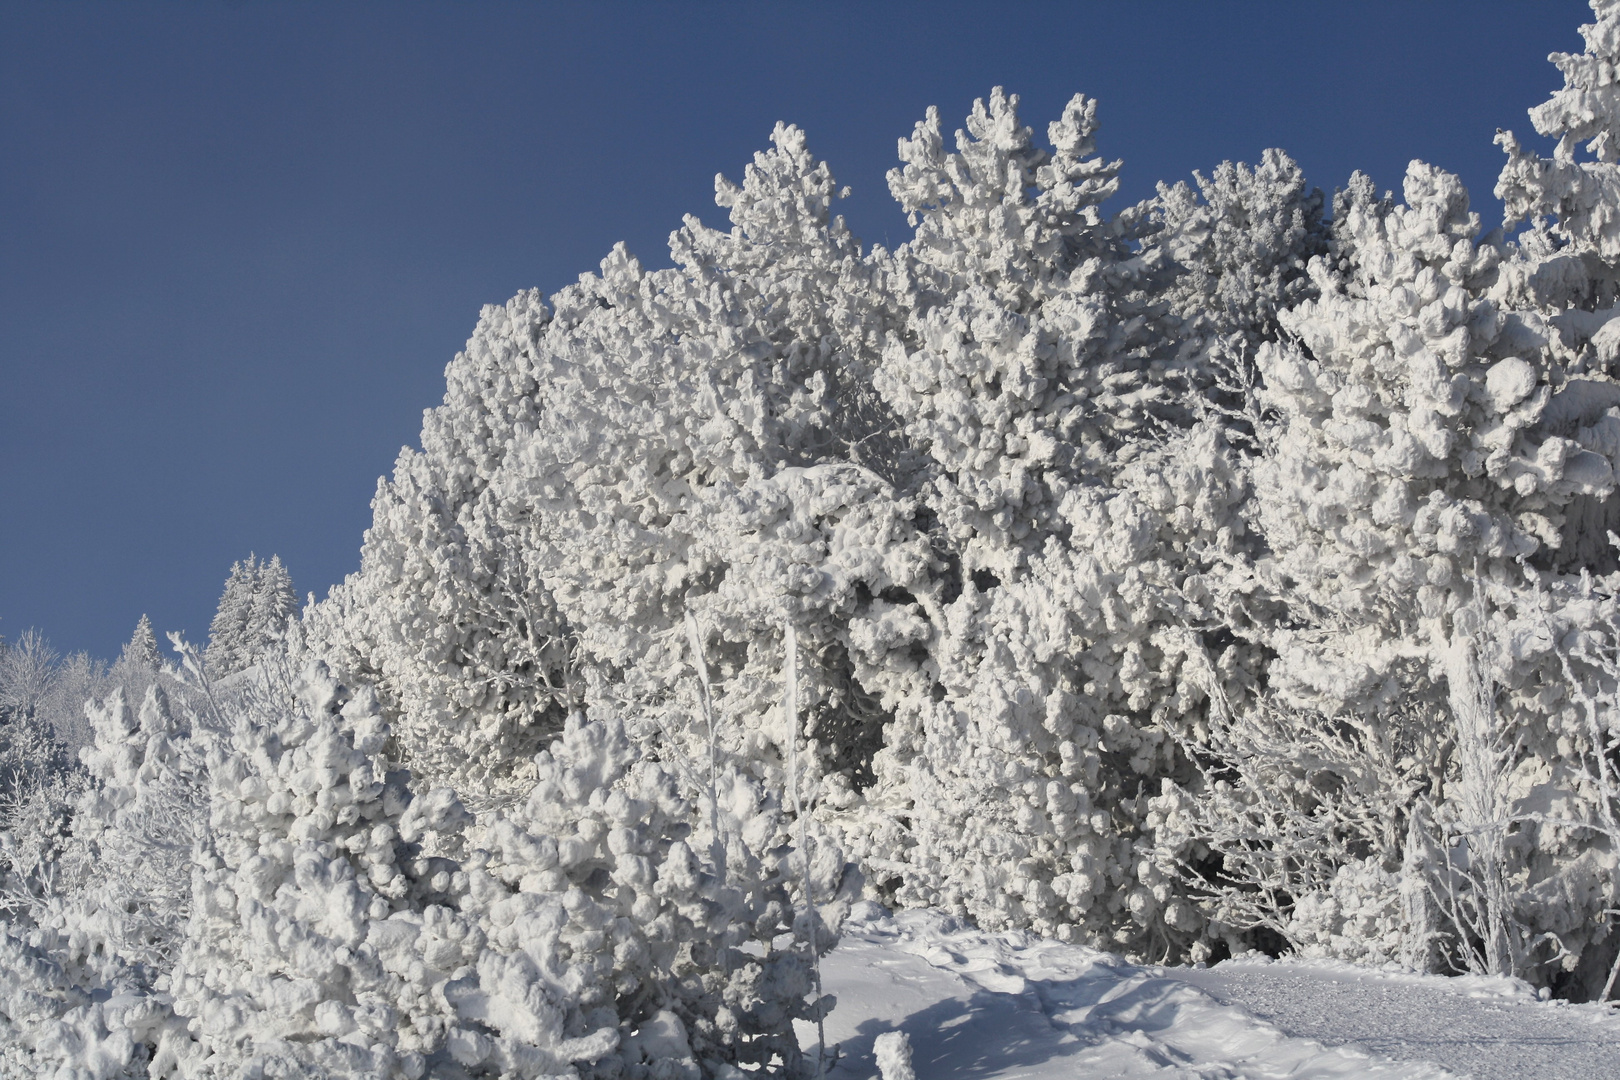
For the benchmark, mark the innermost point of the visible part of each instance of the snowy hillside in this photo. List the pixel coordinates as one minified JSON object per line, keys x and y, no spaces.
{"x":1234,"y":573}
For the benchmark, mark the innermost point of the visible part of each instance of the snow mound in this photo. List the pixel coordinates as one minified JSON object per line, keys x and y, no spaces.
{"x":977,"y":1004}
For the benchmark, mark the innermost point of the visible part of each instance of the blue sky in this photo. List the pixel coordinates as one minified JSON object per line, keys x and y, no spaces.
{"x":239,"y":242}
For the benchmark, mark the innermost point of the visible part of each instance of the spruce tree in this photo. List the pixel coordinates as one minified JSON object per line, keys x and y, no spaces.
{"x":252,"y":614}
{"x":274,"y":602}
{"x":229,"y":628}
{"x":141,"y":652}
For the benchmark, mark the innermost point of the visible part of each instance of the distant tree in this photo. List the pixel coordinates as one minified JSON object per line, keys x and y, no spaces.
{"x":80,"y":678}
{"x":139,"y":668}
{"x":27,"y":673}
{"x":252,"y":614}
{"x":29,"y":677}
{"x":142,"y":649}
{"x":273,"y":603}
{"x":228,"y":630}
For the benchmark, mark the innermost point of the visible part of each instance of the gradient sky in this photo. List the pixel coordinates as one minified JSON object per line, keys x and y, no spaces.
{"x":239,"y":242}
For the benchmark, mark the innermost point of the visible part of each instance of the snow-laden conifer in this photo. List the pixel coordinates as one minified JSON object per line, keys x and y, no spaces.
{"x":251,"y":616}
{"x":599,"y":465}
{"x":1204,"y":574}
{"x":141,"y":651}
{"x":1408,"y":456}
{"x":227,"y":631}
{"x":962,"y":469}
{"x":98,"y":901}
{"x":341,"y":923}
{"x":1437,"y":452}
{"x":135,"y":827}
{"x":1240,"y":240}
{"x":1579,"y":195}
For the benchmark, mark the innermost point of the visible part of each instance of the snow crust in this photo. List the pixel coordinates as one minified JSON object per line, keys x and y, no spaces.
{"x":1487,"y":1028}
{"x":977,"y":1004}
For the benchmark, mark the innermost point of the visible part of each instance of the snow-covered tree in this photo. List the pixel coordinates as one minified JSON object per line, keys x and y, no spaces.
{"x":228,"y":629}
{"x":1404,"y":473}
{"x":252,"y":614}
{"x":1040,"y":378}
{"x":581,"y":464}
{"x":98,"y":893}
{"x":41,"y":706}
{"x":145,"y":808}
{"x":141,"y":652}
{"x":80,"y":679}
{"x":1241,"y":240}
{"x":1571,"y":265}
{"x":342,"y":923}
{"x":1580,"y":195}
{"x":1407,"y":455}
{"x":1434,"y":487}
{"x":701,"y":440}
{"x":27,"y":674}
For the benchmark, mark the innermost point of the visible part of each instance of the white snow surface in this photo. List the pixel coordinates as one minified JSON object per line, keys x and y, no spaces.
{"x":1013,"y":1005}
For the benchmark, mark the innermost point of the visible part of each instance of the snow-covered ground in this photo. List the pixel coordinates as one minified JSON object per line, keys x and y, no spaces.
{"x":980,"y":1005}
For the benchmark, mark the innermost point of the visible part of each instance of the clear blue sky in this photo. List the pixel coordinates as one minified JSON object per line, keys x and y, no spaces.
{"x":239,"y":242}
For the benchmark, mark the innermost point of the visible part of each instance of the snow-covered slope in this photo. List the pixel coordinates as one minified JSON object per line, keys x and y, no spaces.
{"x":1005,"y":1005}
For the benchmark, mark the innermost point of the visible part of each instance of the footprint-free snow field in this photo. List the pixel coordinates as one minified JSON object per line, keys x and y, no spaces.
{"x":1011,"y":1005}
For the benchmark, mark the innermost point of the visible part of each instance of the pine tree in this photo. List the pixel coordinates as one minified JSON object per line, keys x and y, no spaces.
{"x":274,"y":602}
{"x":681,"y":441}
{"x":500,"y":580}
{"x":1405,"y":456}
{"x":1242,"y":250}
{"x":1079,"y":652}
{"x":141,"y":652}
{"x":227,"y":633}
{"x":1570,"y":258}
{"x":1581,"y":196}
{"x":252,"y":614}
{"x":342,"y":926}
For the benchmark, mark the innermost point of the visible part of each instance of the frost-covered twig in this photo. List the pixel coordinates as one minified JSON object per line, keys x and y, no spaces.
{"x":706,"y":702}
{"x":790,"y":711}
{"x":1484,"y":757}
